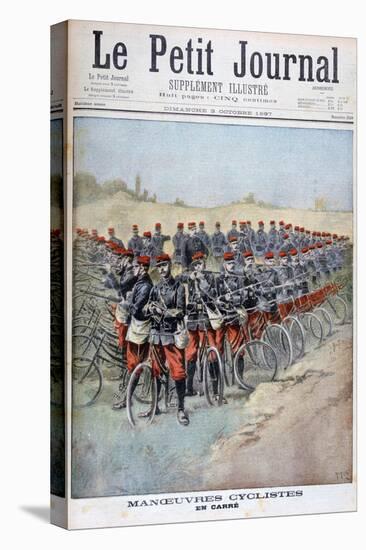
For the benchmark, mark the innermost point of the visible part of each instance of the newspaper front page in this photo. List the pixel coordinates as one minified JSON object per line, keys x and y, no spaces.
{"x":209,"y":179}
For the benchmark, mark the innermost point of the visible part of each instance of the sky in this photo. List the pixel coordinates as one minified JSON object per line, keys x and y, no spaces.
{"x":214,"y":164}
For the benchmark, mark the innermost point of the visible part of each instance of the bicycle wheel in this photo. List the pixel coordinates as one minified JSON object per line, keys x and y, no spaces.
{"x":213,"y":377}
{"x":313,"y":330}
{"x":277,"y":336}
{"x":141,"y":411}
{"x":142,"y":392}
{"x":338,"y":309}
{"x":326,"y":320}
{"x":121,"y":394}
{"x":87,"y":382}
{"x":297,"y":335}
{"x":83,"y":340}
{"x":255,"y":363}
{"x":228,"y":365}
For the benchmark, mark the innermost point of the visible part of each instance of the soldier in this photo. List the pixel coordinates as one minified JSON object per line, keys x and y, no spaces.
{"x":250,"y":267}
{"x":109,"y":256}
{"x":218,"y":244}
{"x":322,"y":269}
{"x":251,"y":233}
{"x":285,"y":274}
{"x":137,"y":336}
{"x":148,"y":249}
{"x":244,"y":242}
{"x":252,"y":274}
{"x":281,"y":229}
{"x":135,"y":243}
{"x":242,"y":231}
{"x":139,"y":298}
{"x":111,"y":280}
{"x":260,"y":240}
{"x":178,"y":241}
{"x":231,"y":296}
{"x":269,"y":281}
{"x":233,"y":232}
{"x":301,"y":276}
{"x":167,"y":307}
{"x":337,"y":251}
{"x":285,"y":246}
{"x":158,"y":239}
{"x":201,"y":294}
{"x":306,"y":241}
{"x":98,"y":255}
{"x":330,"y":255}
{"x":137,"y":344}
{"x":191,"y":245}
{"x":128,"y":278}
{"x":128,"y":275}
{"x":309,"y":260}
{"x":301,"y":236}
{"x":294,"y":237}
{"x":312,"y":239}
{"x":238,"y":257}
{"x":273,"y":240}
{"x":250,"y":280}
{"x":201,"y":234}
{"x":113,"y":238}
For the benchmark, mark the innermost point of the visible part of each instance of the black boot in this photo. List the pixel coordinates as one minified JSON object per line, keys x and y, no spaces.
{"x":158,"y":388}
{"x":191,"y":369}
{"x":240,"y":370}
{"x":214,"y":371}
{"x":180,"y":386}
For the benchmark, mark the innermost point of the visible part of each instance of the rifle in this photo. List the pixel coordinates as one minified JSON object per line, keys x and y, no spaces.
{"x":89,"y":264}
{"x":109,"y":298}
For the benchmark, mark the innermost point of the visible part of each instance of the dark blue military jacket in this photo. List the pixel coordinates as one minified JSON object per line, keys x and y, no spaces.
{"x":218,"y":243}
{"x":136,"y":244}
{"x":191,"y":245}
{"x":140,"y":297}
{"x":169,"y":293}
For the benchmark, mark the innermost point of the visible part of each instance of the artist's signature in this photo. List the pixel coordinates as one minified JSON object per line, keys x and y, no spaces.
{"x":343,"y":476}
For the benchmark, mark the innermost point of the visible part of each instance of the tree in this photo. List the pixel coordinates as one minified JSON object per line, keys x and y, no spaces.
{"x":111,"y":187}
{"x":86,"y":188}
{"x":320,"y":204}
{"x":138,"y":186}
{"x":179,"y":202}
{"x":249,"y":198}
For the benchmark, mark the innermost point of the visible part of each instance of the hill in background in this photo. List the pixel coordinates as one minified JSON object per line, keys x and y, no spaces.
{"x":121,"y":211}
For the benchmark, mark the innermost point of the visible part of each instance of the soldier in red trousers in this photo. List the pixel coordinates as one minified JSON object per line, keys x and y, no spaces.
{"x":167,"y":308}
{"x":201,"y":293}
{"x":137,"y":336}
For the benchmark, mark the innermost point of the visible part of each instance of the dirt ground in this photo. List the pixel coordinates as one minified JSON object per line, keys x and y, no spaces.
{"x":301,"y":427}
{"x":121,"y":212}
{"x":293,"y":431}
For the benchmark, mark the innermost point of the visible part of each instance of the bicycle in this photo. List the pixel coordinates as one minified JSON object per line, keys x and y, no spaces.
{"x":255,"y":363}
{"x":143,"y":384}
